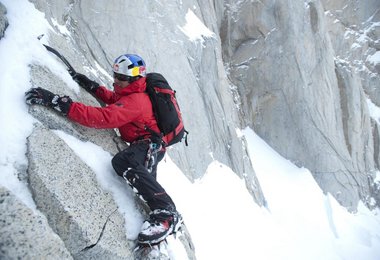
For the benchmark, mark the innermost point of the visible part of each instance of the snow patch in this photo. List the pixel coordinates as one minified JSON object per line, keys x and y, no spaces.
{"x":195,"y":29}
{"x":61,"y":28}
{"x":374,"y":59}
{"x":374,"y":111}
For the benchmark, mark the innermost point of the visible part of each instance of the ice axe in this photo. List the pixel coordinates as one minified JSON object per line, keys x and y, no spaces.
{"x":70,"y":68}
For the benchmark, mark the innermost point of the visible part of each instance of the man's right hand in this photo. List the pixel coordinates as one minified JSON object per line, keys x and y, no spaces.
{"x":86,"y":83}
{"x":46,"y":98}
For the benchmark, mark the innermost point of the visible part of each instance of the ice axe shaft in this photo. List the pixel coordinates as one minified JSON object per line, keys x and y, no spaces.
{"x":70,"y":68}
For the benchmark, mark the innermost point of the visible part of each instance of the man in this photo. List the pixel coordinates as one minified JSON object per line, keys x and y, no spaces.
{"x":130,"y":110}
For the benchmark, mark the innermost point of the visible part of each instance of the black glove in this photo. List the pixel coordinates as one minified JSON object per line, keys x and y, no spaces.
{"x":46,"y":98}
{"x":86,"y":83}
{"x":42,"y":97}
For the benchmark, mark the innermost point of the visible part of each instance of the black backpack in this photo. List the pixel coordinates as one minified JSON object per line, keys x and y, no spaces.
{"x":165,"y":108}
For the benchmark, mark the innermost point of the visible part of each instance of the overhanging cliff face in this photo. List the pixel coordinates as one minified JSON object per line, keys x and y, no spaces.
{"x":102,"y":30}
{"x":300,"y":92}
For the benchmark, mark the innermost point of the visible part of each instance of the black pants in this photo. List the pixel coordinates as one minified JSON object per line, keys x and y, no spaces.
{"x":130,"y":164}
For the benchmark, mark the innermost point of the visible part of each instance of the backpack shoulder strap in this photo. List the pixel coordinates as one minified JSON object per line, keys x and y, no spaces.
{"x":156,"y":80}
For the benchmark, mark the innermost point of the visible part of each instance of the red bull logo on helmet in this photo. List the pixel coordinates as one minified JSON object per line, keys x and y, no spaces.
{"x":142,"y":70}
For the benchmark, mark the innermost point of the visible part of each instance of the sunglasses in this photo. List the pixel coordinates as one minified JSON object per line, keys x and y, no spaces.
{"x":122,"y":77}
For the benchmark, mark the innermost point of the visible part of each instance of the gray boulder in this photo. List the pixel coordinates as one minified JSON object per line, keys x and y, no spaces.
{"x":3,"y":20}
{"x":84,"y":216}
{"x":25,"y":233}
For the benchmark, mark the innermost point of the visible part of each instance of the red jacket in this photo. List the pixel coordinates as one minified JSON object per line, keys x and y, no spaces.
{"x":128,"y":109}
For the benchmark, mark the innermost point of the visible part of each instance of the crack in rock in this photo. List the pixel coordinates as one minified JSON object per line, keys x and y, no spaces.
{"x":101,"y":233}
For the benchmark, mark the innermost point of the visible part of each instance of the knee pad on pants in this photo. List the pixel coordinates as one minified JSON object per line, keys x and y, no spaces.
{"x":130,"y":178}
{"x":119,"y":164}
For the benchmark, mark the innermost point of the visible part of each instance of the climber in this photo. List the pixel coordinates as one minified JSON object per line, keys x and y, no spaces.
{"x":130,"y":110}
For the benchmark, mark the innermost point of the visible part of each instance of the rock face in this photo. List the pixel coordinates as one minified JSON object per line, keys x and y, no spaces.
{"x":194,"y":69}
{"x":301,"y":91}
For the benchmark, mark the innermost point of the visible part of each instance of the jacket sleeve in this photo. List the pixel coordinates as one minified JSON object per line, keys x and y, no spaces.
{"x":106,"y":95}
{"x":112,"y":116}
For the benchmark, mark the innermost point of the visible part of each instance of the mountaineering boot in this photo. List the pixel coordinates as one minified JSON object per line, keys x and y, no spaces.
{"x":161,"y":223}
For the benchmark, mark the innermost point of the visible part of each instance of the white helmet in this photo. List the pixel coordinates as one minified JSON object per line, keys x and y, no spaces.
{"x":130,"y":65}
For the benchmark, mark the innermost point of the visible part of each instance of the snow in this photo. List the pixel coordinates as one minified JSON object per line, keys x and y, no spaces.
{"x":377,"y":178}
{"x":18,"y":48}
{"x":374,"y":111}
{"x":62,"y":29}
{"x":374,"y":59}
{"x":194,"y":29}
{"x":299,"y":222}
